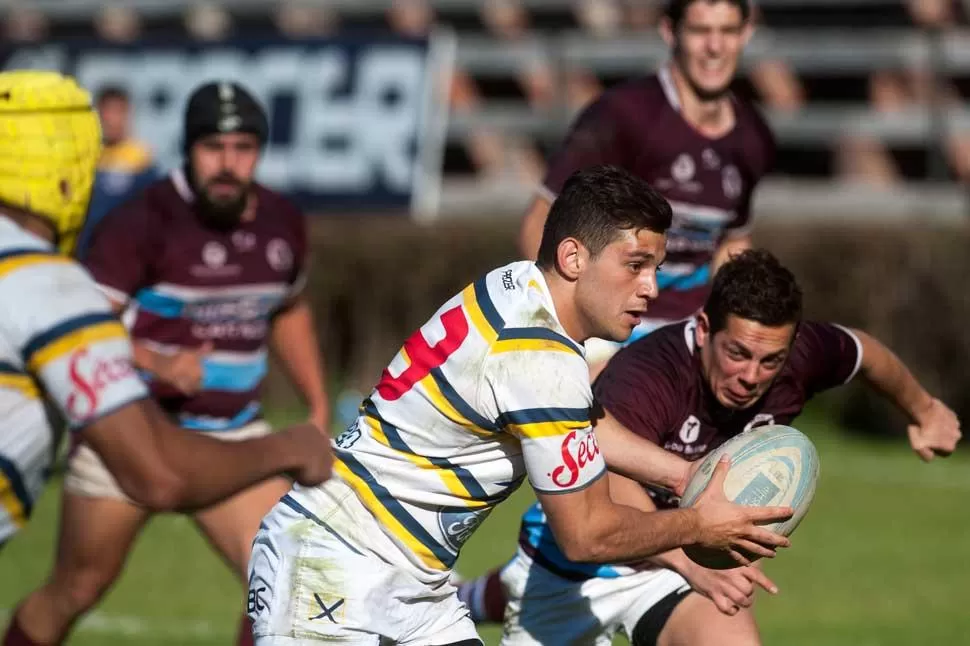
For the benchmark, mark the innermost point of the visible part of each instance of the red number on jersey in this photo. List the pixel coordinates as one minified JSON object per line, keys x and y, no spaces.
{"x":425,"y":358}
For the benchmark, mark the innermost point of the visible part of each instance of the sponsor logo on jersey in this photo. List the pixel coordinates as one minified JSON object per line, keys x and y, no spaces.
{"x":279,"y":255}
{"x":578,"y":449}
{"x":89,"y":377}
{"x":458,"y":527}
{"x":690,"y":430}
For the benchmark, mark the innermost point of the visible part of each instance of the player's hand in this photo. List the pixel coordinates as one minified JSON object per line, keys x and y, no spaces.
{"x":936,"y":431}
{"x":726,"y":526}
{"x":729,"y":590}
{"x":183,"y":369}
{"x":313,"y":455}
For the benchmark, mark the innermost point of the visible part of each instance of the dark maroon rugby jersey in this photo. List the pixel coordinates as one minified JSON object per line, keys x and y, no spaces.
{"x":655,"y":387}
{"x":709,"y":182}
{"x":188,"y":284}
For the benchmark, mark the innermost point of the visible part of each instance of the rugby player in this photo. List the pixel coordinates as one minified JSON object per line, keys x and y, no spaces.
{"x":66,"y":359}
{"x":209,"y":266}
{"x":493,"y":388}
{"x":702,"y":147}
{"x":746,"y":360}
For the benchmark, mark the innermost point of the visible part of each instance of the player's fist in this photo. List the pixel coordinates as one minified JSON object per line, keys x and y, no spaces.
{"x":723,"y":525}
{"x":313,"y":456}
{"x":936,"y":431}
{"x":183,"y":369}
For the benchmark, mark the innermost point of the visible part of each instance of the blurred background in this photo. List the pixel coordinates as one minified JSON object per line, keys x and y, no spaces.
{"x":415,"y":132}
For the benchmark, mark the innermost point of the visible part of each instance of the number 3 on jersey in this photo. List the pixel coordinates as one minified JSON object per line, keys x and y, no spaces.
{"x":425,"y":358}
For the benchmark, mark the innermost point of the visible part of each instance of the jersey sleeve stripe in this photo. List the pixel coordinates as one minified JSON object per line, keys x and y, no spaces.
{"x":68,"y":336}
{"x":16,"y":379}
{"x":545,"y":429}
{"x":538,"y":333}
{"x":540,"y":415}
{"x":15,"y":259}
{"x":392,"y":513}
{"x":530,"y":345}
{"x":476,"y":316}
{"x":858,"y":348}
{"x":458,"y":480}
{"x":13,"y":494}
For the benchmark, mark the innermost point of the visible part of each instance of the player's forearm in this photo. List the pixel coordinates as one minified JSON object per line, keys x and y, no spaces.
{"x":295,"y":342}
{"x":619,"y":534}
{"x":145,"y":358}
{"x":624,"y":491}
{"x":211,"y":470}
{"x":638,"y":459}
{"x":889,"y":375}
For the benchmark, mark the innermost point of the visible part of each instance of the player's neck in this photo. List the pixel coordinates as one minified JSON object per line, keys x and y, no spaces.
{"x":712,"y":118}
{"x":563,"y":297}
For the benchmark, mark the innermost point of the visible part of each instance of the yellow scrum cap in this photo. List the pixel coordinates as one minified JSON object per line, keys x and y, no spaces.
{"x":50,"y":143}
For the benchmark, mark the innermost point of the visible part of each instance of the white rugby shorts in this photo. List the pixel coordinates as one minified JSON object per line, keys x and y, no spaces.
{"x":330,"y":576}
{"x":544,"y":608}
{"x":88,"y":476}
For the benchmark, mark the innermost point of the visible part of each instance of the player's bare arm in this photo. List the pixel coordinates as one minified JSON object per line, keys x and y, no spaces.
{"x":935,"y":429}
{"x":632,"y":456}
{"x":590,"y":527}
{"x":142,"y":449}
{"x":294,"y":340}
{"x":730,"y":247}
{"x":533,"y":222}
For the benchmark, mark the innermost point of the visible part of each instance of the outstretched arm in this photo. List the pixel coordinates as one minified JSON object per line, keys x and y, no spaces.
{"x":935,"y":429}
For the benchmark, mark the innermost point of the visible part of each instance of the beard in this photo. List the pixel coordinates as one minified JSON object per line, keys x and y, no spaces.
{"x":222,"y":214}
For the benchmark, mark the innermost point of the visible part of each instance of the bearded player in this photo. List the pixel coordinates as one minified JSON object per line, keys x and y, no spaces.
{"x":683,"y":131}
{"x":210,"y":268}
{"x":748,"y":359}
{"x":67,"y":361}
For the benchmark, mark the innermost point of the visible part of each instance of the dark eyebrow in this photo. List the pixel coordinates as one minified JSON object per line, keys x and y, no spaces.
{"x":640,"y":255}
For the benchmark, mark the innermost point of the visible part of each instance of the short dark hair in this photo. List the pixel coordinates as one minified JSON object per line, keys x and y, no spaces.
{"x":755,"y":286}
{"x":595,"y":205}
{"x":675,"y":9}
{"x":111,"y":92}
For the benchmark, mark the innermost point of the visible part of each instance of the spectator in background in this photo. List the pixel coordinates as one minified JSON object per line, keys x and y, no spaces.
{"x":126,"y":165}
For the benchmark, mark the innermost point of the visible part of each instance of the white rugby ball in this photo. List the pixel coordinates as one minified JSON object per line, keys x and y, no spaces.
{"x":770,"y":466}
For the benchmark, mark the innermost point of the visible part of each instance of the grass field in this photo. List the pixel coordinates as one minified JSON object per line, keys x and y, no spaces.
{"x":882,"y":559}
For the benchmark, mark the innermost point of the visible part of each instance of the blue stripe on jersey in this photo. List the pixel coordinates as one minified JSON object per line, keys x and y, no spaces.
{"x":460,"y":404}
{"x":539,"y":415}
{"x":537,"y":533}
{"x":10,"y":369}
{"x":205,"y":423}
{"x":393,"y":436}
{"x":12,"y":474}
{"x":158,"y":304}
{"x":306,"y":513}
{"x":397,"y":510}
{"x":36,"y":251}
{"x":697,"y":278}
{"x":538,"y":333}
{"x":488,"y":307}
{"x":233,"y":377}
{"x":40,"y":341}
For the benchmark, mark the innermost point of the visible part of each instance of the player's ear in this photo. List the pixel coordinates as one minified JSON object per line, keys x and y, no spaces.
{"x":570,"y":258}
{"x":747,"y":32}
{"x":666,"y":29}
{"x":702,"y":333}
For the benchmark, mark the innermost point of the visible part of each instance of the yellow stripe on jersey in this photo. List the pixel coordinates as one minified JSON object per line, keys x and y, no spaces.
{"x":448,"y":477}
{"x":389,"y":520}
{"x":531,"y":345}
{"x":13,"y":260}
{"x":477,"y":315}
{"x":72,"y":340}
{"x":23,"y":384}
{"x":13,"y":495}
{"x":545,"y":429}
{"x":430,"y":387}
{"x":544,"y":422}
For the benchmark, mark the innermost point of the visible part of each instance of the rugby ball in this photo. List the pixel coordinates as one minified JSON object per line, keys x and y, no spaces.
{"x":770,"y":466}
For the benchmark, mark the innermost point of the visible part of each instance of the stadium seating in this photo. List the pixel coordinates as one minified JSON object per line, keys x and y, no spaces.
{"x":866,"y":90}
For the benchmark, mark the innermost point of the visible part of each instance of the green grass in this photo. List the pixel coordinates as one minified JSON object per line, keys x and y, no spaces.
{"x":881,"y":560}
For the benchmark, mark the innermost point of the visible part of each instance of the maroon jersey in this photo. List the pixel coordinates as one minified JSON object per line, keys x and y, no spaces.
{"x":655,"y":387}
{"x":708,"y":182}
{"x":187,"y":284}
